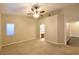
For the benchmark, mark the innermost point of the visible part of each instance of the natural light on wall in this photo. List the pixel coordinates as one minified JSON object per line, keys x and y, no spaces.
{"x":76,"y":23}
{"x":42,"y":28}
{"x":74,"y":29}
{"x":9,"y":29}
{"x":67,"y":24}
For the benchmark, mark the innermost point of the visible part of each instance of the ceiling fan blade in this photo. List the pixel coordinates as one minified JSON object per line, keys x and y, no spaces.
{"x":32,"y":9}
{"x":42,"y":11}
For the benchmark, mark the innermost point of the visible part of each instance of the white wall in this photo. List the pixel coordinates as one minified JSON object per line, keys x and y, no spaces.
{"x":74,"y":29}
{"x":54,"y":28}
{"x":71,"y":14}
{"x":67,"y":31}
{"x":60,"y":28}
{"x":51,"y":29}
{"x":0,"y":32}
{"x":25,"y":28}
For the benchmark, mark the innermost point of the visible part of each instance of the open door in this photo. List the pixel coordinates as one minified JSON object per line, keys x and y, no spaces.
{"x":42,"y":32}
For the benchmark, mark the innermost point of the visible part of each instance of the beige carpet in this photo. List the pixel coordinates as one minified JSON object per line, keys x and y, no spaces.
{"x":73,"y":41}
{"x":37,"y":47}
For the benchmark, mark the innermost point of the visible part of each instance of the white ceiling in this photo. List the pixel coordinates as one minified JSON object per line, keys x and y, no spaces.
{"x":20,"y":8}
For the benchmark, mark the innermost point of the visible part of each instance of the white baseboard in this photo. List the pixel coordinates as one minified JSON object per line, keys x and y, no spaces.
{"x":75,"y":36}
{"x":56,"y":43}
{"x":17,"y":42}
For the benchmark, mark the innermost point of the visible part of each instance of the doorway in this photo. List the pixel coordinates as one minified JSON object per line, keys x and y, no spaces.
{"x":67,"y":33}
{"x":42,"y":32}
{"x":72,"y":33}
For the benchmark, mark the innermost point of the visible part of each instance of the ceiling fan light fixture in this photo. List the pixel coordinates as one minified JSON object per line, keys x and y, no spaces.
{"x":36,"y":15}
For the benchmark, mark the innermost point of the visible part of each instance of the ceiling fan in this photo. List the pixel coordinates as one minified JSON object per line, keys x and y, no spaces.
{"x":35,"y":8}
{"x":35,"y":11}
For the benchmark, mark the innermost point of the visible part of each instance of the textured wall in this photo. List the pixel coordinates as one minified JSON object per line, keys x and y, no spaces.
{"x":25,"y":28}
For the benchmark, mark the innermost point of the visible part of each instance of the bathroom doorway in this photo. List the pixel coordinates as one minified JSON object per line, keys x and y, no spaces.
{"x":42,"y":32}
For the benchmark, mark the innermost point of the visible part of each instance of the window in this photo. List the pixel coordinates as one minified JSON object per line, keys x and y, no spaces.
{"x":10,"y":29}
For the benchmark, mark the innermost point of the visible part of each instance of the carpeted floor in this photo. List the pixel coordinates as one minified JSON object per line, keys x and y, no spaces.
{"x":38,"y":47}
{"x":74,"y":41}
